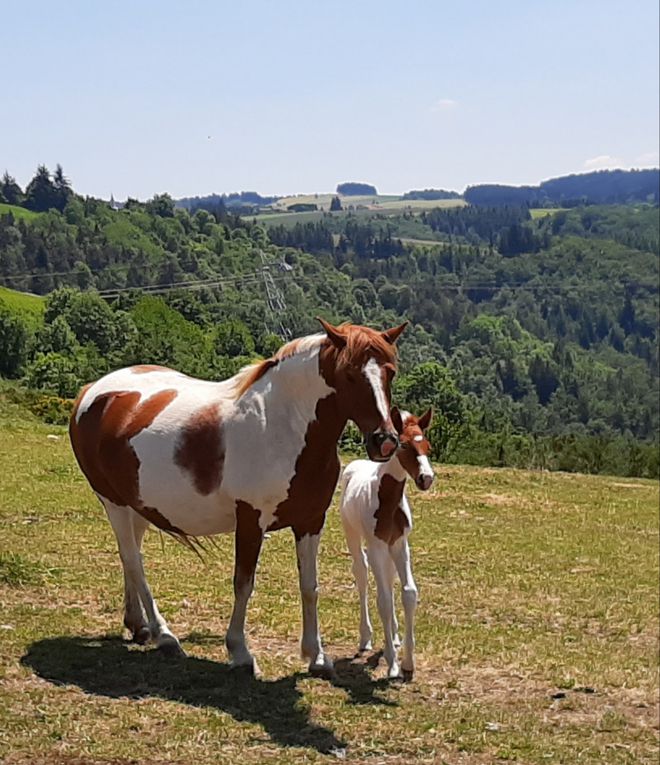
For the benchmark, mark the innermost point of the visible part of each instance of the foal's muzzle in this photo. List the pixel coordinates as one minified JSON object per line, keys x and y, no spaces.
{"x":424,"y":481}
{"x":381,"y":445}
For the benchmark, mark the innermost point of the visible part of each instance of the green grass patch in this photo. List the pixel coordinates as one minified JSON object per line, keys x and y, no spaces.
{"x":543,"y":212}
{"x":536,"y":637}
{"x":17,"y":212}
{"x":29,"y":307}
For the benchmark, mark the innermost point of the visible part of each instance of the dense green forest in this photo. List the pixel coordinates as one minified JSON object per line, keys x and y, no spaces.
{"x":600,"y":187}
{"x":533,"y":335}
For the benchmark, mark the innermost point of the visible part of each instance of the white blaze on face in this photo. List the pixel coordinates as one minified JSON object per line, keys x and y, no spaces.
{"x":373,"y":374}
{"x":425,"y":471}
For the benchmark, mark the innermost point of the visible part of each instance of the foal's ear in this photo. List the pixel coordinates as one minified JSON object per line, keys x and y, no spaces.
{"x":334,"y":333}
{"x":392,"y":335}
{"x":425,"y":420}
{"x":397,"y":420}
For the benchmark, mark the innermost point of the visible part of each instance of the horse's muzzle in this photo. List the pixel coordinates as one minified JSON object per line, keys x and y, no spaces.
{"x":381,"y":445}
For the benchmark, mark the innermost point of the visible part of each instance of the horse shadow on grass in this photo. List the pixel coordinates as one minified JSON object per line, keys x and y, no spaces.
{"x":106,"y":666}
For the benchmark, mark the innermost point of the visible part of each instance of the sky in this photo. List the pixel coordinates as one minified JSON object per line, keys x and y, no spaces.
{"x":150,"y":96}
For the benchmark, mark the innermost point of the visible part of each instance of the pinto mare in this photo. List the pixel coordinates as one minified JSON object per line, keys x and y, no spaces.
{"x":374,"y":508}
{"x":254,"y":453}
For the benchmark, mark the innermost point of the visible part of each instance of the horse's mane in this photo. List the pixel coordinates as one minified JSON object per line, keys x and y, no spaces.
{"x":250,"y":374}
{"x":360,"y":343}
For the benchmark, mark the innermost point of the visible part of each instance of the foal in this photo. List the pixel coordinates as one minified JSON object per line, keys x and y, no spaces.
{"x":374,"y":508}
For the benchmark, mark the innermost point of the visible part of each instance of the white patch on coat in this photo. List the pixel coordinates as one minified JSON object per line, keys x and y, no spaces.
{"x":266,"y":431}
{"x":373,"y":373}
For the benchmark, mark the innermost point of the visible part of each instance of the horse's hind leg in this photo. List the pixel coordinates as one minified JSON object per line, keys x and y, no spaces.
{"x":129,"y":528}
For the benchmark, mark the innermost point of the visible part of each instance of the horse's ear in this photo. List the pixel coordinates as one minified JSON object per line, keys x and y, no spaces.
{"x":334,"y":333}
{"x":392,"y":335}
{"x":397,"y":420}
{"x":425,"y":420}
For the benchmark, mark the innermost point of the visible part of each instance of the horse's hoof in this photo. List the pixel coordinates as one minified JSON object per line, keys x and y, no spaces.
{"x":367,"y":646}
{"x":325,"y":669}
{"x":142,"y":636}
{"x":408,"y":675}
{"x":249,"y":668}
{"x":170,"y":648}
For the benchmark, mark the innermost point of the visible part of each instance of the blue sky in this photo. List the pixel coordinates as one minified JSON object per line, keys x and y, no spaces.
{"x":135,"y":98}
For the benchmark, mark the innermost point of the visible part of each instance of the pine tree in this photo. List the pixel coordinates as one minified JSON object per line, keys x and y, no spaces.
{"x":62,"y":188}
{"x":10,"y":190}
{"x":40,"y":194}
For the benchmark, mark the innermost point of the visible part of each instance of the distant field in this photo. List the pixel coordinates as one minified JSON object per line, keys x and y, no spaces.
{"x":537,"y":633}
{"x":364,"y":206}
{"x":17,"y":212}
{"x":29,"y":306}
{"x":542,"y":212}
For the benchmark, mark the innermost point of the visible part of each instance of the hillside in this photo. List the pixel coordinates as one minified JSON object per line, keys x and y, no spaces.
{"x":534,"y":335}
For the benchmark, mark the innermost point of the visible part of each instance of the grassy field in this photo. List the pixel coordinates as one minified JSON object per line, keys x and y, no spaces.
{"x":30,"y":307}
{"x":537,"y":633}
{"x":17,"y":212}
{"x":543,"y":212}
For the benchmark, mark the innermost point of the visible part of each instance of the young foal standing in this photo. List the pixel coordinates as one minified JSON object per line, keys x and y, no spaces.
{"x":374,"y":508}
{"x":254,"y":453}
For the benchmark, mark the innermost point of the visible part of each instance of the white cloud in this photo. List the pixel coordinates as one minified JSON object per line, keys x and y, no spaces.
{"x":603,"y":162}
{"x":649,"y":159}
{"x":444,"y":105}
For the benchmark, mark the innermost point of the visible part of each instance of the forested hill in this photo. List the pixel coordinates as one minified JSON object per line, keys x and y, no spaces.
{"x":600,"y":187}
{"x":534,"y":333}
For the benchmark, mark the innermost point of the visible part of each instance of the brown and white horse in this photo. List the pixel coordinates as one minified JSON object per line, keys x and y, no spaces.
{"x":374,"y":510}
{"x":254,"y":453}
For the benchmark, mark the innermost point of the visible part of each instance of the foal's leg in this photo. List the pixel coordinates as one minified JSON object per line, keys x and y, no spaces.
{"x":129,"y":528}
{"x":361,"y":574}
{"x":400,"y":551}
{"x":249,"y":537}
{"x":384,"y":573}
{"x":307,"y":547}
{"x":395,"y":624}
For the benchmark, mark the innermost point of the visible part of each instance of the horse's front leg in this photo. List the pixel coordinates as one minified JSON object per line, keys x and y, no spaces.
{"x":249,"y":537}
{"x":307,"y":547}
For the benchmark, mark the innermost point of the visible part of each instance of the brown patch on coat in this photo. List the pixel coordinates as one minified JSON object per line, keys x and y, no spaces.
{"x":391,"y":521}
{"x":200,"y":449}
{"x":142,"y":369}
{"x":316,"y":474}
{"x":248,"y":539}
{"x":101,"y":444}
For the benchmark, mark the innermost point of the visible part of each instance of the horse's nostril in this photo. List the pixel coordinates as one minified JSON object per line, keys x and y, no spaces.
{"x":387,"y":447}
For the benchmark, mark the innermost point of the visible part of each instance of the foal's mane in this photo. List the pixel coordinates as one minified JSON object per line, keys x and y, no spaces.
{"x":361,"y":342}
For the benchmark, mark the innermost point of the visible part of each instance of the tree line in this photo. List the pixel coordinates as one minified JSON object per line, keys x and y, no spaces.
{"x":541,"y":357}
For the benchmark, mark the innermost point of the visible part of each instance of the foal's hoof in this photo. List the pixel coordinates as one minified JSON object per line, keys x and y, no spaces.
{"x":141,"y":636}
{"x":394,"y":673}
{"x":170,"y":648}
